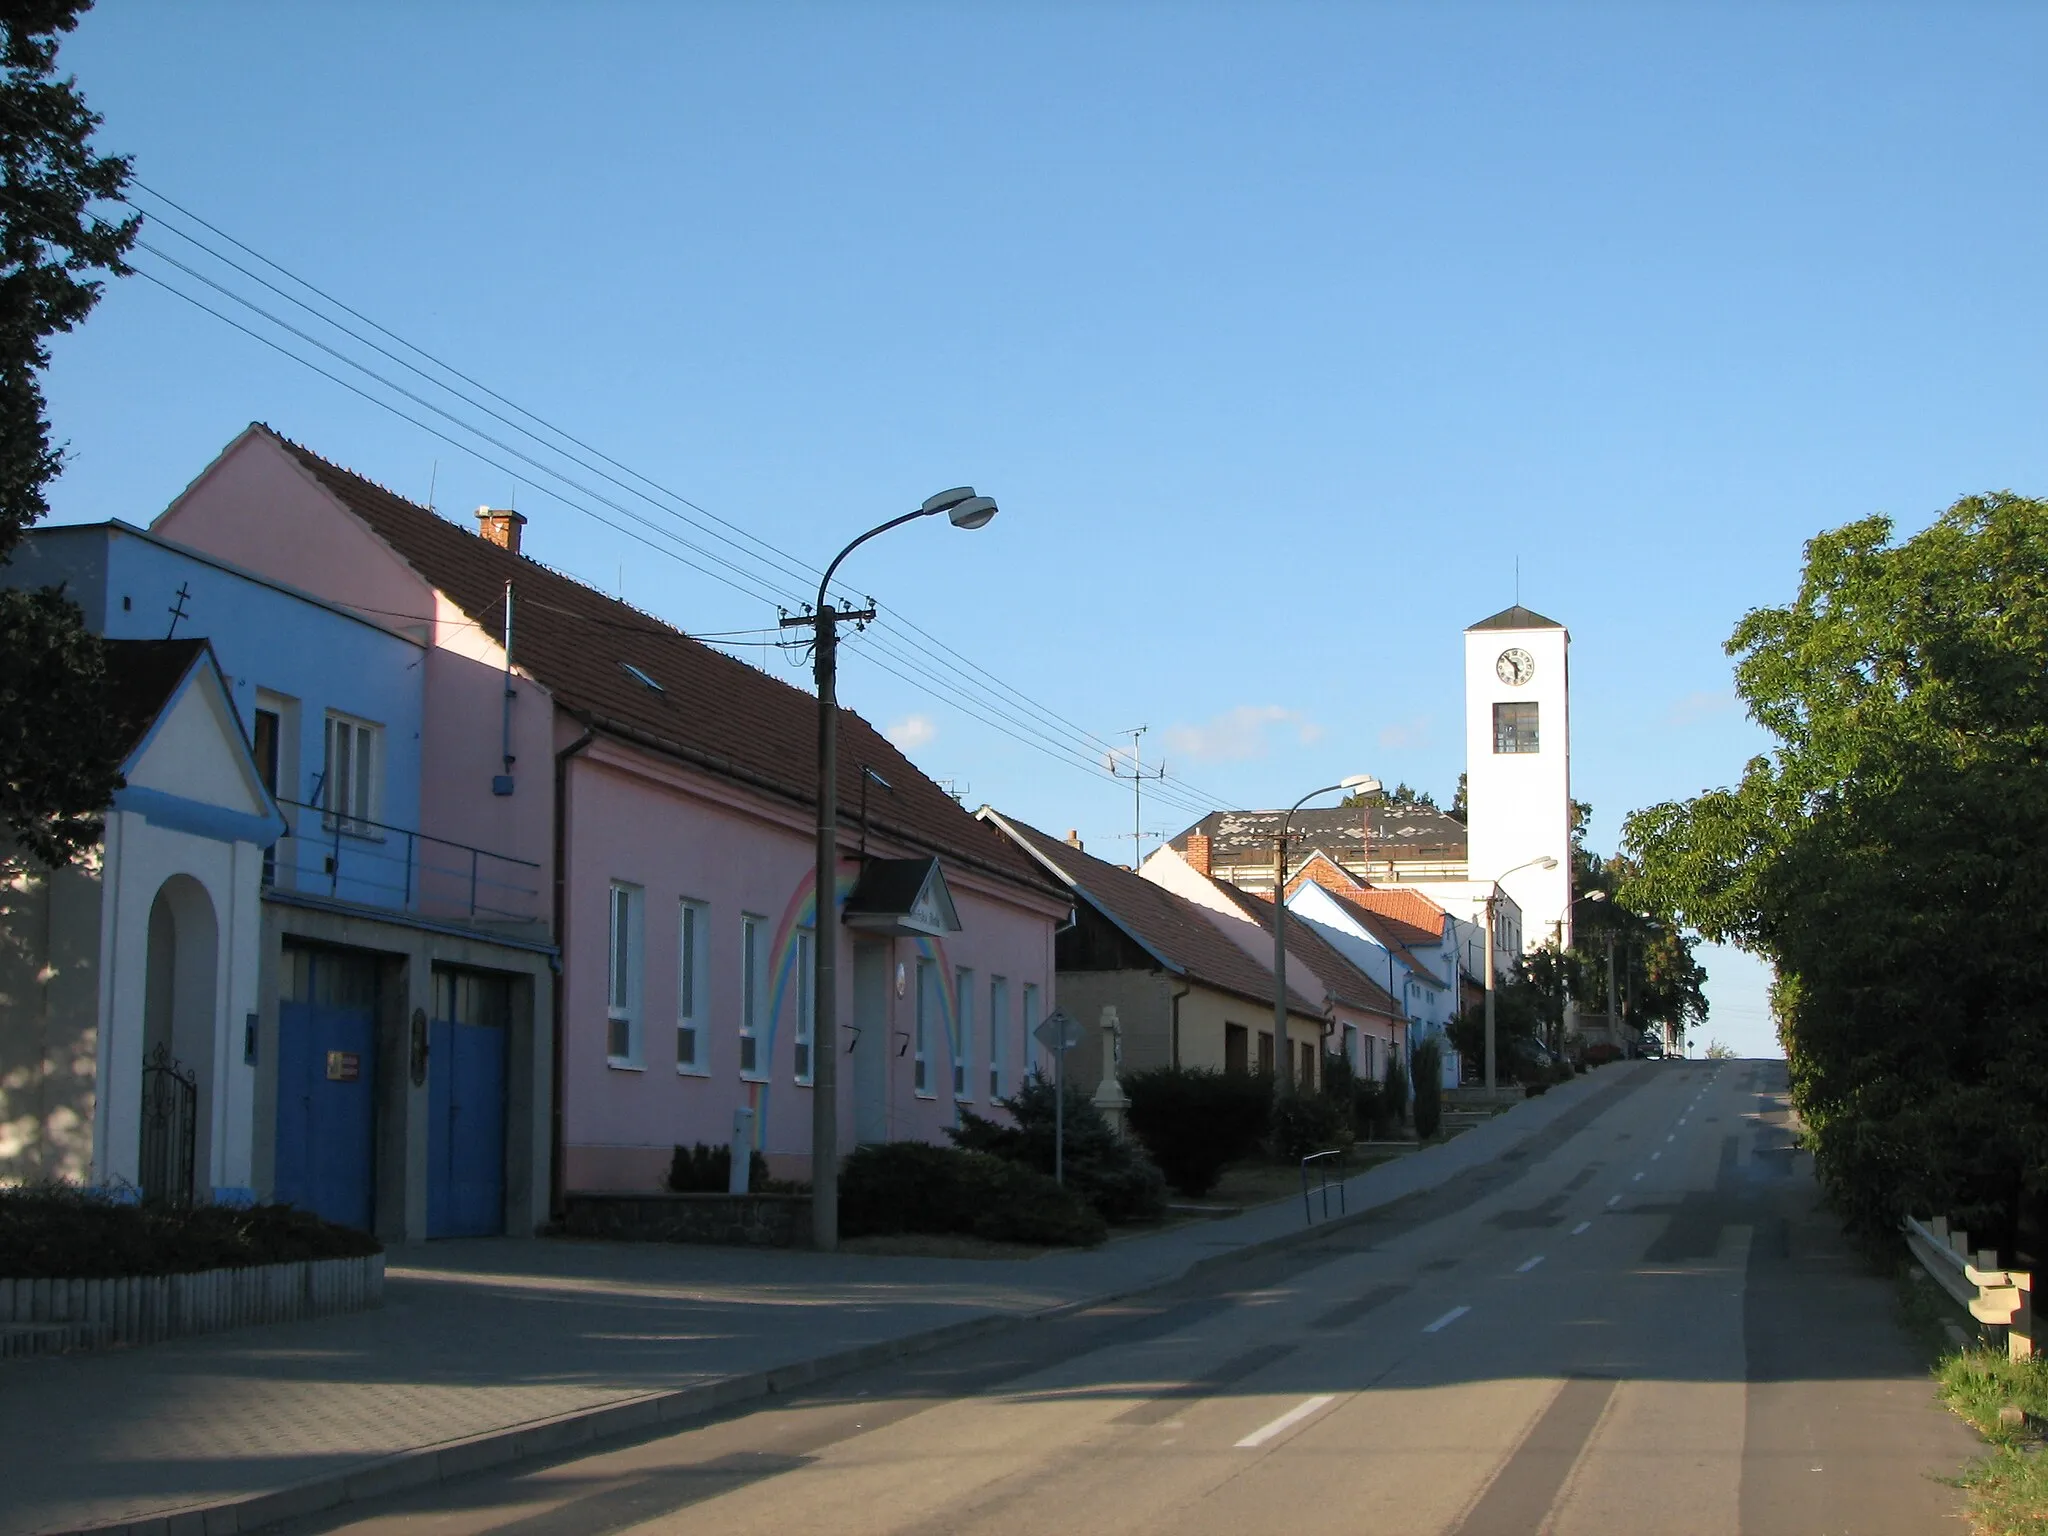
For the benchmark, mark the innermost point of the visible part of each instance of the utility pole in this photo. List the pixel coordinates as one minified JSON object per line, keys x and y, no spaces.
{"x":1137,"y":776}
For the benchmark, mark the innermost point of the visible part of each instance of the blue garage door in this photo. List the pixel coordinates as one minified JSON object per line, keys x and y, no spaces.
{"x":466,"y":1104}
{"x":326,"y":1085}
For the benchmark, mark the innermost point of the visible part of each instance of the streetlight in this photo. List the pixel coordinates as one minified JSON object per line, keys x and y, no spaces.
{"x":1283,"y":1048}
{"x":1493,"y":896}
{"x":966,"y":510}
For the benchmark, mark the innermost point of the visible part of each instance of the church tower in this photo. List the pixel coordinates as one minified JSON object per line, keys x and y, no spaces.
{"x":1518,"y":765}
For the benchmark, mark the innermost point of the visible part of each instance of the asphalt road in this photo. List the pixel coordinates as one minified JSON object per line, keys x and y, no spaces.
{"x":1638,"y":1322}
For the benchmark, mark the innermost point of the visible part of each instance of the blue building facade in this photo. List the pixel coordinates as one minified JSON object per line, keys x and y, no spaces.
{"x":402,"y":1042}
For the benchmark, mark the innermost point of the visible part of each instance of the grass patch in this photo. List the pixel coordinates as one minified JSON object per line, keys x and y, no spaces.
{"x":2007,"y":1488}
{"x":58,"y":1232}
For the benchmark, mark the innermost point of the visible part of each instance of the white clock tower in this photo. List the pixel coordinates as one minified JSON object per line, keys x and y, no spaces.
{"x":1518,"y":766}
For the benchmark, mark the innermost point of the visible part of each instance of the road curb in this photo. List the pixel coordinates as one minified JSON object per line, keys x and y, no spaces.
{"x":540,"y":1439}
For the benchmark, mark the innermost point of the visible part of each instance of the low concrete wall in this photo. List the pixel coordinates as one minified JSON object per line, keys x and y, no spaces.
{"x":50,"y":1315}
{"x":743,"y":1221}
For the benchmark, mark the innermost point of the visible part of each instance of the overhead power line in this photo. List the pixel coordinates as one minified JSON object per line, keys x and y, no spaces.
{"x":754,"y":567}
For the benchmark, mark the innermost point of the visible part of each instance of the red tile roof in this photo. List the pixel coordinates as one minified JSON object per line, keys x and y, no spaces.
{"x":712,"y":711}
{"x":1173,"y":928}
{"x":1410,"y":914}
{"x":1340,"y":973}
{"x":141,"y":677}
{"x":1386,"y":932}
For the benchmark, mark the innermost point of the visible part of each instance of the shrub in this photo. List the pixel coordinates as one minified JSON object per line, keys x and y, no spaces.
{"x":913,"y":1186}
{"x":1305,"y":1123}
{"x":1110,"y":1172}
{"x":1195,"y":1121}
{"x":1394,"y":1090}
{"x":702,"y":1170}
{"x":1428,"y":1058}
{"x":51,"y":1230}
{"x":1368,"y":1111}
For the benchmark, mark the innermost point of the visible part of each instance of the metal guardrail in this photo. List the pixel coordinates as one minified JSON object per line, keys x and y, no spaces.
{"x":1323,"y":1170}
{"x":2003,"y":1298}
{"x":398,"y":866}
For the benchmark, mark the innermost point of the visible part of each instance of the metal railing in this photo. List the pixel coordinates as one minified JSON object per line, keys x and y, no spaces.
{"x":385,"y":865}
{"x":2003,"y":1298}
{"x":1325,"y":1162}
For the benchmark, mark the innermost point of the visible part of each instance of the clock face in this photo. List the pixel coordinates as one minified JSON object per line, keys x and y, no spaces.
{"x":1515,"y":667}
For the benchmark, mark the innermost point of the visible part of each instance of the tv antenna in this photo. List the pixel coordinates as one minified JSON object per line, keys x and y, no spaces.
{"x":1137,"y":776}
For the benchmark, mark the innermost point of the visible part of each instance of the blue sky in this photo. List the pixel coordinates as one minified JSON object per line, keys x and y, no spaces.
{"x":1283,"y":333}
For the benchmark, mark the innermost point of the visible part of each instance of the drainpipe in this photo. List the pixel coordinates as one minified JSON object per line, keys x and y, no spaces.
{"x":555,"y":1130}
{"x":1185,"y":989}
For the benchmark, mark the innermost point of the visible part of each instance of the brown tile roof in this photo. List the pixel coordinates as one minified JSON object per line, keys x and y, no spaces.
{"x":712,"y":711}
{"x":1171,"y":927}
{"x":141,"y":677}
{"x":1387,"y":933}
{"x":1343,"y":975}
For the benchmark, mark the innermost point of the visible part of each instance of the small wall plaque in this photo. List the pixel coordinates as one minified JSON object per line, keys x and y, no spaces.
{"x":344,"y":1066}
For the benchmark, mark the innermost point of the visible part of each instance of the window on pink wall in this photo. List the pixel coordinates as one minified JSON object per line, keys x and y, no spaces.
{"x":753,"y":992}
{"x":998,"y":1033}
{"x":622,"y":981}
{"x":922,"y":1030}
{"x":1031,"y":1018}
{"x":692,"y":970}
{"x":806,"y":1011}
{"x":963,"y":1035}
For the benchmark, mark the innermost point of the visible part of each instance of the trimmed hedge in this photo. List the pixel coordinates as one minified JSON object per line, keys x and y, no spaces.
{"x":1111,"y":1173}
{"x":1195,"y":1121}
{"x":62,"y":1232}
{"x":703,"y":1170}
{"x":1428,"y":1060}
{"x":913,"y":1186}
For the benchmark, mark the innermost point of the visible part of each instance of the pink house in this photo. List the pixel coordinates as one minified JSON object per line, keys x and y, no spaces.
{"x":665,"y":789}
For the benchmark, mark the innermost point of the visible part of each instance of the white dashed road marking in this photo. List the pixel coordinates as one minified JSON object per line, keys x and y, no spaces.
{"x":1528,"y":1264}
{"x":1286,"y":1421}
{"x":1446,"y":1320}
{"x":1582,"y":1226}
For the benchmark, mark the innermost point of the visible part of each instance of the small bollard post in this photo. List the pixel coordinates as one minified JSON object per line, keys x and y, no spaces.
{"x":742,"y":1151}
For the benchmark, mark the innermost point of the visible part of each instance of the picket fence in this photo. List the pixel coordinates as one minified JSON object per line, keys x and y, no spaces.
{"x":44,"y":1316}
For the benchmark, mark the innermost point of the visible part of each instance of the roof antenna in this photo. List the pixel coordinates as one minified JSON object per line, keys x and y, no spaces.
{"x":433,"y":479}
{"x":1518,"y":581}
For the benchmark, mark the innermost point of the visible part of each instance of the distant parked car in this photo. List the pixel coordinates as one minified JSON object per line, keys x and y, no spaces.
{"x":1652,"y":1048}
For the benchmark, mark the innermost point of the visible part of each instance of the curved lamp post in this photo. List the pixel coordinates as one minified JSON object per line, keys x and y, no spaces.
{"x":1492,"y":897}
{"x":1283,"y":1048}
{"x":966,"y":510}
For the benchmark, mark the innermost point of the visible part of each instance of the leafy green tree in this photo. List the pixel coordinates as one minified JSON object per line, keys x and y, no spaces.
{"x":1887,"y":856}
{"x":57,"y":768}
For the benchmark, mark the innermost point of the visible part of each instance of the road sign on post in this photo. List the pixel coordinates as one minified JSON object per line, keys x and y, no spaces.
{"x":1059,"y":1033}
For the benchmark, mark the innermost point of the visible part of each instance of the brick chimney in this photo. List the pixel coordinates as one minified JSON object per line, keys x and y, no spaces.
{"x":1197,"y":852}
{"x":1074,"y":838}
{"x":501,"y":528}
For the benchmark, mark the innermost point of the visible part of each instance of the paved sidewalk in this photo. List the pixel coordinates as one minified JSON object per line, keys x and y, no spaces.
{"x":488,"y":1350}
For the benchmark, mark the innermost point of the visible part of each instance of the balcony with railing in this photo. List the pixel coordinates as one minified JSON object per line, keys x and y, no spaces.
{"x":371,"y":863}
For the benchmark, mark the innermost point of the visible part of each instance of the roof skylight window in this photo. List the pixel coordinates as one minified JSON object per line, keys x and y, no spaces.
{"x":641,"y":677}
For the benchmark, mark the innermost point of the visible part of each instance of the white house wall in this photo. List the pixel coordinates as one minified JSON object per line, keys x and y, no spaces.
{"x":140,"y":857}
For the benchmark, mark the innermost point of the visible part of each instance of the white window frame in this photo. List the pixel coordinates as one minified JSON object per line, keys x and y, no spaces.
{"x":806,"y":1006}
{"x":1031,"y":1021}
{"x":693,"y":973}
{"x":998,"y":1033}
{"x":963,"y":1035}
{"x":625,"y":954}
{"x":753,"y":994}
{"x":920,"y":1044}
{"x":351,"y":781}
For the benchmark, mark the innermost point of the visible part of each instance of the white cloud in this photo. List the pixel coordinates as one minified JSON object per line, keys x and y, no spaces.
{"x":1704,"y":705}
{"x":1406,"y":734}
{"x":912,"y":732}
{"x":1239,"y":733}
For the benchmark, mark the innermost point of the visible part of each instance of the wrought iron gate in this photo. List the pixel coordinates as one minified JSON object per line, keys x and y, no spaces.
{"x":170,"y":1125}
